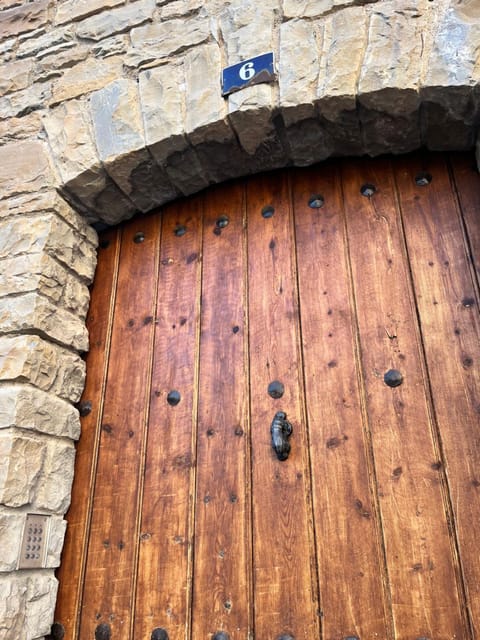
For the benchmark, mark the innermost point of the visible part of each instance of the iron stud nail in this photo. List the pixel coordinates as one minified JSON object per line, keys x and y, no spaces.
{"x":221,"y":635}
{"x":276,"y":389}
{"x":222,"y":222}
{"x":368,"y":190}
{"x":316,"y":202}
{"x":268,"y":211}
{"x":84,"y":408}
{"x":159,"y":634}
{"x":173,"y":398}
{"x":393,"y":378}
{"x":180,"y":230}
{"x":139,"y":237}
{"x":103,"y":632}
{"x":423,"y":178}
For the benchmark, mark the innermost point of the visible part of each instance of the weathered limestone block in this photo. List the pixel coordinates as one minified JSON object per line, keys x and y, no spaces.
{"x":23,"y":102}
{"x":49,"y":202}
{"x":54,"y":485}
{"x":87,"y":76}
{"x":180,"y":8}
{"x":22,"y":459}
{"x":119,"y":134}
{"x":70,"y":134}
{"x":56,"y":536}
{"x":43,"y":44}
{"x":114,"y":46}
{"x":32,"y":313}
{"x":301,"y":42}
{"x":27,"y":603}
{"x":163,"y":107}
{"x":26,"y":17}
{"x":48,"y":233}
{"x":20,"y":128}
{"x":40,"y":273}
{"x":42,"y":364}
{"x":166,"y":38}
{"x":15,"y":76}
{"x":240,"y":23}
{"x":314,"y":8}
{"x":117,"y":20}
{"x":28,"y":159}
{"x":72,"y":10}
{"x":58,"y":58}
{"x":11,"y":529}
{"x":25,"y":407}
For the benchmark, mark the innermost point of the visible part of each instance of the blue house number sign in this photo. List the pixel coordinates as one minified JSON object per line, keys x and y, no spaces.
{"x":244,"y":74}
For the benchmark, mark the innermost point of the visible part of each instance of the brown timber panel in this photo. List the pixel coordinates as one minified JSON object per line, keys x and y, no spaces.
{"x":422,"y":573}
{"x":164,"y":573}
{"x":70,"y":574}
{"x":448,"y":307}
{"x":350,"y":560}
{"x":110,"y":570}
{"x":222,"y":591}
{"x":285,"y":589}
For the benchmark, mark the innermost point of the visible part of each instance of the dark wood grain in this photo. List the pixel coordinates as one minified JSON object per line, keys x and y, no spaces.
{"x":222,"y":570}
{"x":350,"y":558}
{"x":285,"y":584}
{"x":110,"y":569}
{"x":163,"y":596}
{"x":423,"y":577}
{"x":70,"y":574}
{"x":448,"y":308}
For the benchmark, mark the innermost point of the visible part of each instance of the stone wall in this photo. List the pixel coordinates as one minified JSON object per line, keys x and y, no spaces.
{"x":116,"y":106}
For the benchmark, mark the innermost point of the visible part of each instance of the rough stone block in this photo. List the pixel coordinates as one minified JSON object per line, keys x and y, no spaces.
{"x":119,"y":134}
{"x":46,"y":366}
{"x":180,"y":8}
{"x":40,"y":273}
{"x":11,"y":530}
{"x":25,"y":407}
{"x":166,"y":38}
{"x":309,"y":142}
{"x":28,"y":159}
{"x":56,"y":536}
{"x":54,"y":485}
{"x":48,"y":202}
{"x":22,"y":103}
{"x":32,"y":313}
{"x":106,"y":24}
{"x":57,"y":59}
{"x":43,"y":44}
{"x":15,"y":76}
{"x":114,"y":46}
{"x":22,"y":459}
{"x":24,"y":18}
{"x":337,"y":85}
{"x":48,"y":233}
{"x":315,"y":8}
{"x":85,"y":77}
{"x":299,"y":66}
{"x":72,"y":10}
{"x":20,"y":128}
{"x":163,"y":108}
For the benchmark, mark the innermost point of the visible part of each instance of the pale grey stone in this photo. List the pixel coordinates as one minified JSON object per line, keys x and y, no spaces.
{"x":22,"y":457}
{"x":71,"y":10}
{"x":49,"y":367}
{"x":15,"y":75}
{"x":315,"y":8}
{"x":53,"y":487}
{"x":40,"y":46}
{"x":116,"y":45}
{"x":40,"y":273}
{"x":119,"y":135}
{"x":108,"y":23}
{"x":48,"y":233}
{"x":180,"y":8}
{"x":166,"y":38}
{"x":22,"y":19}
{"x":25,"y":407}
{"x":301,"y":42}
{"x":56,"y":536}
{"x":30,"y":160}
{"x":32,"y":313}
{"x":11,"y":530}
{"x":87,"y":76}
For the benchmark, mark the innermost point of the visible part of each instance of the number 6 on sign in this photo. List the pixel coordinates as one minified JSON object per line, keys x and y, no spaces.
{"x":248,"y":72}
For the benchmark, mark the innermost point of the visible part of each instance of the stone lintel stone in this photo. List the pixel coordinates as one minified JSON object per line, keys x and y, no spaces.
{"x":162,"y":96}
{"x":298,"y":69}
{"x":89,"y":75}
{"x":309,"y":142}
{"x":30,"y":160}
{"x":49,"y":367}
{"x":27,"y":603}
{"x":32,"y":313}
{"x":119,"y":135}
{"x":25,"y":407}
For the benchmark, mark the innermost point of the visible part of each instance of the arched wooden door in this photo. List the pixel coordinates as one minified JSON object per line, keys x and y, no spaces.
{"x":184,"y":523}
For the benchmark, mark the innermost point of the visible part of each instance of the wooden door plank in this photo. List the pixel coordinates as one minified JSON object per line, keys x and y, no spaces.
{"x":70,"y":573}
{"x":423,"y":575}
{"x":448,"y":307}
{"x":467,"y":182}
{"x":350,"y":557}
{"x":222,"y":569}
{"x":285,"y":586}
{"x":163,"y":590}
{"x":111,"y":562}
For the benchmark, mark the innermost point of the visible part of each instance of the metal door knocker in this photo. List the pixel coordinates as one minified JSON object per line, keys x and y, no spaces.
{"x":281,"y":430}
